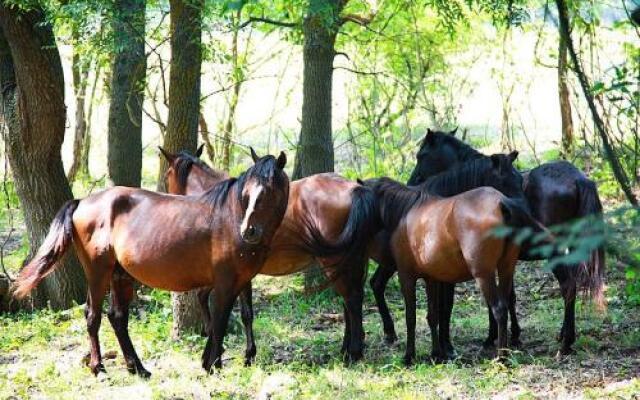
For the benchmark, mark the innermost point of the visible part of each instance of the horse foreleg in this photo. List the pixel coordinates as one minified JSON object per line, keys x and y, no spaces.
{"x":378,"y":284}
{"x":433,"y":317}
{"x":203,"y":298}
{"x":408,"y":287}
{"x":224,"y":299}
{"x":122,"y":292}
{"x":246,"y":311}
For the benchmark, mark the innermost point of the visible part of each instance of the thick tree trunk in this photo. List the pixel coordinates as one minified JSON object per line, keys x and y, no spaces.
{"x":315,"y":146}
{"x":565,"y":103}
{"x":184,"y":79}
{"x":612,"y":158}
{"x":127,"y":93}
{"x":182,"y":125}
{"x":32,"y":86}
{"x":80,"y":76}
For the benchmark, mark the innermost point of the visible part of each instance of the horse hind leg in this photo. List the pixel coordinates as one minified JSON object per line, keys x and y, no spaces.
{"x":378,"y":283}
{"x":122,"y":292}
{"x":566,"y":277}
{"x":98,"y":275}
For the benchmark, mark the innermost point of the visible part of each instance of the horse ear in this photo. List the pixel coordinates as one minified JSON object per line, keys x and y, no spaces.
{"x":430,"y":137}
{"x":453,"y":132}
{"x":254,"y":156}
{"x":199,"y":150}
{"x":282,"y":160}
{"x":512,"y":156}
{"x":170,"y":157}
{"x":360,"y":181}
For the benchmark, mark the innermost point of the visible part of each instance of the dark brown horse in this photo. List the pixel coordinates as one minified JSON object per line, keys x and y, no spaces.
{"x":328,"y":220}
{"x":449,"y":240}
{"x":557,"y":193}
{"x":219,"y":239}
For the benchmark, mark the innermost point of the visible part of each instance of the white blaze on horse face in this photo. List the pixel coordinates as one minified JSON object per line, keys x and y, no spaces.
{"x":253,"y":198}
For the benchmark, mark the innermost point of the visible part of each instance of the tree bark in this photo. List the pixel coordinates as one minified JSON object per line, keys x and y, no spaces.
{"x":127,"y":93}
{"x":230,"y":123}
{"x":80,"y":76}
{"x":182,"y":124}
{"x":314,"y":153}
{"x":86,"y":144}
{"x":612,"y":158}
{"x":564,"y":97}
{"x":32,"y":84}
{"x":184,"y":79}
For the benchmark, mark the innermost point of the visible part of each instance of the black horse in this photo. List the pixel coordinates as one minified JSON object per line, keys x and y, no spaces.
{"x":557,"y":192}
{"x":496,"y":171}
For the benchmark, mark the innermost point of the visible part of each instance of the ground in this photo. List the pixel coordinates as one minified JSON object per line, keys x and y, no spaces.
{"x":298,"y":339}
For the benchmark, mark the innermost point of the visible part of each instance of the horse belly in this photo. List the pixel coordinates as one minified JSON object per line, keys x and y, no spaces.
{"x":281,"y":262}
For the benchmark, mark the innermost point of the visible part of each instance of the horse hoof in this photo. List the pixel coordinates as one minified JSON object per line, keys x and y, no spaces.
{"x":138,"y":370}
{"x":564,"y":352}
{"x":390,"y":338}
{"x":96,"y":369}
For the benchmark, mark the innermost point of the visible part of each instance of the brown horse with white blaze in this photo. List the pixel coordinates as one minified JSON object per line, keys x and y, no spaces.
{"x":449,"y":240}
{"x":219,"y":239}
{"x":329,"y":220}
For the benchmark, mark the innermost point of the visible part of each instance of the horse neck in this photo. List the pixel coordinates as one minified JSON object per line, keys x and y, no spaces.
{"x":467,"y":153}
{"x":395,"y":201}
{"x":459,"y":179}
{"x":200,"y":180}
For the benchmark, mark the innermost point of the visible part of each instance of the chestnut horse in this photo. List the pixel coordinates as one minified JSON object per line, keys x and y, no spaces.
{"x":219,"y":239}
{"x":449,"y":240}
{"x":557,"y":193}
{"x":496,"y":171}
{"x":328,"y":220}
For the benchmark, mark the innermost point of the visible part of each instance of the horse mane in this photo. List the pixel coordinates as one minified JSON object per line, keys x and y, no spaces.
{"x":183,"y":164}
{"x":463,"y":150}
{"x":395,"y":200}
{"x":264,"y":170}
{"x":458,"y":179}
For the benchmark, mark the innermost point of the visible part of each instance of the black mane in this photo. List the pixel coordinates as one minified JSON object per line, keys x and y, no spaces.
{"x":183,"y":164}
{"x":395,"y":200}
{"x":459,"y":178}
{"x":463,"y":150}
{"x":264,"y":170}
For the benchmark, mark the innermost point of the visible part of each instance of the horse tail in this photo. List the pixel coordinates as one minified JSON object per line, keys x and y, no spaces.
{"x":591,"y":277}
{"x":516,"y":215}
{"x":352,"y":243}
{"x":56,"y":243}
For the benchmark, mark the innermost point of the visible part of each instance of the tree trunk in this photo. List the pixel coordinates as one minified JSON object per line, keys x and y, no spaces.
{"x":127,"y":93}
{"x":35,"y":114}
{"x":80,"y":76}
{"x":612,"y":158}
{"x":229,"y":125}
{"x":182,"y":124}
{"x":315,"y":146}
{"x":565,"y":103}
{"x":204,"y":133}
{"x":184,"y":79}
{"x":86,"y":144}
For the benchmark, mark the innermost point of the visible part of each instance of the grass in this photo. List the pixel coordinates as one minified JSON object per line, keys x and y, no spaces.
{"x":298,"y":338}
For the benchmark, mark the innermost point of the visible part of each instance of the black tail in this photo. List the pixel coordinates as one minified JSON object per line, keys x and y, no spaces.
{"x":352,"y":243}
{"x":516,"y":215}
{"x":56,"y":243}
{"x":592,"y":275}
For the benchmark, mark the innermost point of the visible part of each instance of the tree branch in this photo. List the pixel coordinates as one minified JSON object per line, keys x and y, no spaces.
{"x":285,"y":24}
